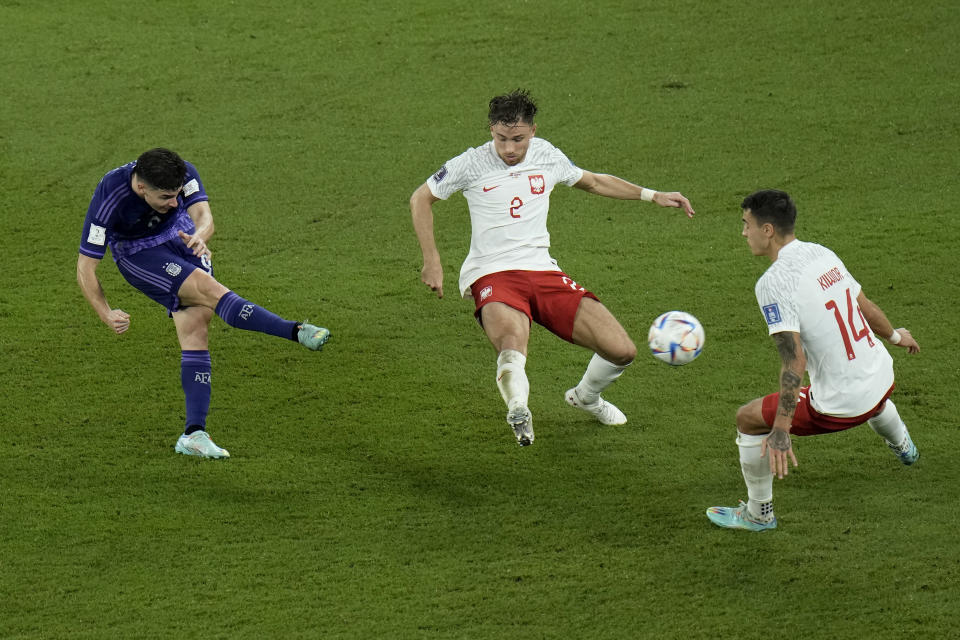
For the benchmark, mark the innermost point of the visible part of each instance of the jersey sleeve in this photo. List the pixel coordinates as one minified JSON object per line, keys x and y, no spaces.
{"x":93,"y":241}
{"x":567,"y":172}
{"x":779,"y":308}
{"x":193,"y":191}
{"x":451,"y":177}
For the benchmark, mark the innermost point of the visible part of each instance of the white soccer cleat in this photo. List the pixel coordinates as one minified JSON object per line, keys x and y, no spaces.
{"x":602,"y":410}
{"x":521,"y":422}
{"x":199,"y":444}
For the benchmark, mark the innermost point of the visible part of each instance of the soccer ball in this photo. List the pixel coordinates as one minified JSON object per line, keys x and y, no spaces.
{"x":676,"y":338}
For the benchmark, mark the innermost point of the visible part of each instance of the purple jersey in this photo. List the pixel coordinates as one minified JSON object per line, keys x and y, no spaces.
{"x":118,"y":217}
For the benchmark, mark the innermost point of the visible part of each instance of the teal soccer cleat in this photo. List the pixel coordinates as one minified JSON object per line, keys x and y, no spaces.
{"x":199,"y":444}
{"x":313,"y":337}
{"x":738,"y":518}
{"x":907,"y":452}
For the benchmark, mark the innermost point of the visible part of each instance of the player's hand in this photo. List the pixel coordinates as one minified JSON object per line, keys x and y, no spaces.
{"x":196,"y":243}
{"x":907,"y":341}
{"x":778,"y":445}
{"x":117,"y":320}
{"x":432,"y":276}
{"x":673,"y":199}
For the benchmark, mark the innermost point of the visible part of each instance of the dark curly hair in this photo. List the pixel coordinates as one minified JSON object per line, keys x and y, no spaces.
{"x":512,"y":108}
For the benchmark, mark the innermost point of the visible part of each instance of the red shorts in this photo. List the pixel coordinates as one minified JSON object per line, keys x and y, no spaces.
{"x":808,"y":422}
{"x":549,"y":298}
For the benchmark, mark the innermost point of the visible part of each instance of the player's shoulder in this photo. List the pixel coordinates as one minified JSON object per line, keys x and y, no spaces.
{"x":780,"y":278}
{"x":120,"y":176}
{"x":474,"y":161}
{"x":113,"y":188}
{"x":191,"y":168}
{"x":540,"y":146}
{"x":812,"y":250}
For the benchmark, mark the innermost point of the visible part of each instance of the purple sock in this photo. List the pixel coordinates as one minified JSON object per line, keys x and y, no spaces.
{"x":195,"y":378}
{"x":243,"y":314}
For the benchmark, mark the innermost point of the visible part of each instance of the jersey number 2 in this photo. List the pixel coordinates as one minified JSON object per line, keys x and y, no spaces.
{"x":849,"y":327}
{"x":515,"y":204}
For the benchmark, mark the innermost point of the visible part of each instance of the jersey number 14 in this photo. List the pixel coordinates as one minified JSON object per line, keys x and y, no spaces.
{"x":848,"y":327}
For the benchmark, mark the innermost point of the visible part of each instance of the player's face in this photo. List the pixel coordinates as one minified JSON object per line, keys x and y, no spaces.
{"x":511,"y":141}
{"x":757,"y":235}
{"x":160,"y":200}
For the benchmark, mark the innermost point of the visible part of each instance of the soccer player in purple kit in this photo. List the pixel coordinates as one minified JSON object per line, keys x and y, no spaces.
{"x":155,"y":216}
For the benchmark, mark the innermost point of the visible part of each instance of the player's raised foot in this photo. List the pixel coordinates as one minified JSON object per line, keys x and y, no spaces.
{"x":602,"y":410}
{"x":521,"y":422}
{"x":313,"y":337}
{"x":738,"y":518}
{"x":199,"y":444}
{"x":907,"y":452}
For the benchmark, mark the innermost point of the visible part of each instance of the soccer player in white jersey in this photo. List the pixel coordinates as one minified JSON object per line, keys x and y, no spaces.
{"x":822,"y":323}
{"x":509,"y":272}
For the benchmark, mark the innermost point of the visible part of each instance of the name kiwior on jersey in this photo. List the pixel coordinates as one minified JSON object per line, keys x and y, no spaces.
{"x":808,"y":290}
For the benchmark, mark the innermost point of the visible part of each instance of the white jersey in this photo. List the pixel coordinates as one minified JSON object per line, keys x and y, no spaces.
{"x":809,"y":290}
{"x":508,"y":206}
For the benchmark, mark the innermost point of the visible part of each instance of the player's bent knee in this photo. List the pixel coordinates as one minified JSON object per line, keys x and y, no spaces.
{"x":624,"y":355}
{"x":750,"y":419}
{"x":200,"y":288}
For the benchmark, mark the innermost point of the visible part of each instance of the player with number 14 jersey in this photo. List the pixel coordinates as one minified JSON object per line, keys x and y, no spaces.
{"x":809,"y":290}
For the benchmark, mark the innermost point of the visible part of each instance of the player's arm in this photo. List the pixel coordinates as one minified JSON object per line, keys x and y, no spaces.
{"x":603,"y":184}
{"x":421,"y":211}
{"x":116,"y":319}
{"x":202,"y":218}
{"x":881,"y":326}
{"x":793,"y":364}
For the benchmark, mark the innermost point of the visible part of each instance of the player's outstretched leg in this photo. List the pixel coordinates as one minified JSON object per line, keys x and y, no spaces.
{"x":243,"y":314}
{"x":199,"y":444}
{"x":889,"y":425}
{"x":599,"y":375}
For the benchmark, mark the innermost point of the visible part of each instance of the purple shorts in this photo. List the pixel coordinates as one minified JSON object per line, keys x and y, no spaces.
{"x":160,"y":271}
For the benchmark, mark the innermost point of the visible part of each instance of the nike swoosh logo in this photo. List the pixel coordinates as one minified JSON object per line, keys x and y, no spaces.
{"x":485,"y":189}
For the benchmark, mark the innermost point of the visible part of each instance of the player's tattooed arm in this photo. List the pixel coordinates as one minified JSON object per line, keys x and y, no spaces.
{"x":791,"y":374}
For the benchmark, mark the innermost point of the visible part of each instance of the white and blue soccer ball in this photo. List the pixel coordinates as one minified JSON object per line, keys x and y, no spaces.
{"x":676,"y":337}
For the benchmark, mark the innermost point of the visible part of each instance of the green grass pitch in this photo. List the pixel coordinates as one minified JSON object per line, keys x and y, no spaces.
{"x":375,"y":490}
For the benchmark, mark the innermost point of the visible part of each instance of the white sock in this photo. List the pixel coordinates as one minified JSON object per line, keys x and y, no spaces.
{"x":599,"y":375}
{"x":757,"y":476}
{"x":889,"y":425}
{"x":512,"y":378}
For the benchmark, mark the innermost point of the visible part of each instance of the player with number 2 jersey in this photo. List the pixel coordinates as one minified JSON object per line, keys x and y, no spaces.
{"x":508,"y":206}
{"x":509,"y":272}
